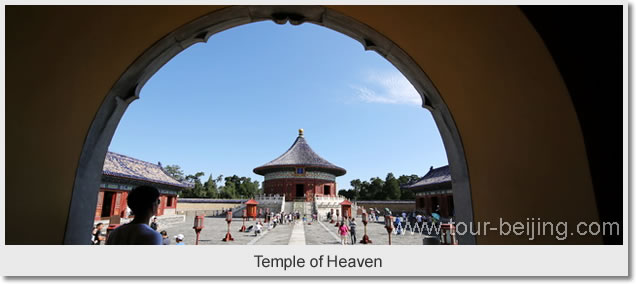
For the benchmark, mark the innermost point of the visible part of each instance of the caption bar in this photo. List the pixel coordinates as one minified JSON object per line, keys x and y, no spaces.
{"x":316,"y":262}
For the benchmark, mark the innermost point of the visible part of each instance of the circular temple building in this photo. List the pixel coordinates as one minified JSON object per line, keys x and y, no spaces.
{"x":300,"y":173}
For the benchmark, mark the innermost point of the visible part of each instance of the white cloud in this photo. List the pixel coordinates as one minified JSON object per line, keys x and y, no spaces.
{"x":387,"y":88}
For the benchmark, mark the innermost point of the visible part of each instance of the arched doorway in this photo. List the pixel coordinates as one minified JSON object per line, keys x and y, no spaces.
{"x":127,"y":89}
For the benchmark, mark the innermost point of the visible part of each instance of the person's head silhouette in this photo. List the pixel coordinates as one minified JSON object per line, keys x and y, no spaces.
{"x":144,"y":201}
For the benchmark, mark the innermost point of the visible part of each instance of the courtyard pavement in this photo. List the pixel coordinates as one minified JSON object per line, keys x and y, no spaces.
{"x":316,"y":233}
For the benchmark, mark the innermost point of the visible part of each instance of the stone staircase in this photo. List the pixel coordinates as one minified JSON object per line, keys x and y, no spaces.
{"x":289,"y":207}
{"x":299,"y":206}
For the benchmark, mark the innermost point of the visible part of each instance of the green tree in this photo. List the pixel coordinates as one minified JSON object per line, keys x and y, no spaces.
{"x":198,"y":191}
{"x":365,"y":191}
{"x":407,"y":194}
{"x":391,"y":188}
{"x":228,"y":191}
{"x":175,"y":172}
{"x":232,"y":186}
{"x":357,"y":187}
{"x":375,"y":189}
{"x":211,"y":189}
{"x":347,"y":193}
{"x":248,"y":188}
{"x":405,"y":180}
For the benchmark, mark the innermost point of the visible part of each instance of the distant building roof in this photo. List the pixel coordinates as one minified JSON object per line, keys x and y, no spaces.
{"x":126,"y":167}
{"x":433,"y":177}
{"x":300,"y":154}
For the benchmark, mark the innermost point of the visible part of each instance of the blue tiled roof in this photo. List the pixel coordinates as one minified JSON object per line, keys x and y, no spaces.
{"x":300,"y":154}
{"x":123,"y":166}
{"x":434,"y":176}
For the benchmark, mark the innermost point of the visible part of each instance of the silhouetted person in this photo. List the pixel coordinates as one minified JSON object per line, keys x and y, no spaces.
{"x":143,"y":201}
{"x":98,"y":236}
{"x":164,"y":237}
{"x":154,"y":225}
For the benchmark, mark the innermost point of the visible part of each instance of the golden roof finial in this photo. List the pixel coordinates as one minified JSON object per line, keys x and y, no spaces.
{"x":300,"y":132}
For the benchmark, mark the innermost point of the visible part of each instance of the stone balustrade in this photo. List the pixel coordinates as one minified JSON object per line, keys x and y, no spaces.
{"x":276,"y":201}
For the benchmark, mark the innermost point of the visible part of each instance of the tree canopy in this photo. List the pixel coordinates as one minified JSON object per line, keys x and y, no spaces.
{"x":234,"y":187}
{"x":175,"y":172}
{"x":378,"y":189}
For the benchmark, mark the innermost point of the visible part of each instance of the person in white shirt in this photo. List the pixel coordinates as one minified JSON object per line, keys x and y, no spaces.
{"x":258,"y":229}
{"x":144,"y":201}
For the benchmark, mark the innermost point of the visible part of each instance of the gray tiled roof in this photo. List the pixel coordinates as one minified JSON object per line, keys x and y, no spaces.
{"x":434,"y":176}
{"x":300,"y":154}
{"x":123,"y":166}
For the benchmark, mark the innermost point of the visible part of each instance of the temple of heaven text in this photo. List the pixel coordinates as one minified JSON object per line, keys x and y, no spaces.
{"x":300,"y":173}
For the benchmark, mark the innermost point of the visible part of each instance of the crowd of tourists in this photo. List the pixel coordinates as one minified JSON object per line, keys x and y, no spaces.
{"x":144,"y":228}
{"x":144,"y":201}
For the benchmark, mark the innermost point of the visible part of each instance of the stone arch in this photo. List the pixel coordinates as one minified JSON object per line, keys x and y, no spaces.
{"x":127,"y":89}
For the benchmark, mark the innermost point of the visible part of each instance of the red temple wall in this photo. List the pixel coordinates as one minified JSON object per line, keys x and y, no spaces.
{"x":119,"y":204}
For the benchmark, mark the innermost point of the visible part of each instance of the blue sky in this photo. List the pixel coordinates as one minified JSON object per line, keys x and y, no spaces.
{"x":237,"y":102}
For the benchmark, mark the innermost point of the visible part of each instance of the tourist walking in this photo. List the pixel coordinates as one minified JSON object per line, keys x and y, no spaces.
{"x":352,"y":230}
{"x":164,"y":238}
{"x":179,"y":239}
{"x":258,"y":228}
{"x":97,"y":235}
{"x":344,"y":231}
{"x":398,"y":225}
{"x":144,"y":201}
{"x":154,"y":225}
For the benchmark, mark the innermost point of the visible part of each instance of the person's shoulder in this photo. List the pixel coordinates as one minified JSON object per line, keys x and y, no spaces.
{"x":149,"y":236}
{"x":113,"y":237}
{"x":147,"y":230}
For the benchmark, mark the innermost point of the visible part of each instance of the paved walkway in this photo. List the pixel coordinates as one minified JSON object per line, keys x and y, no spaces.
{"x":257,"y":238}
{"x":316,"y":233}
{"x":329,"y":231}
{"x":298,"y":235}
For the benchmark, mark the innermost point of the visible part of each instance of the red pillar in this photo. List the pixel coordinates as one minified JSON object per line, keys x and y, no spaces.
{"x":100,"y":203}
{"x":113,"y":204}
{"x":124,"y":205}
{"x":117,"y":204}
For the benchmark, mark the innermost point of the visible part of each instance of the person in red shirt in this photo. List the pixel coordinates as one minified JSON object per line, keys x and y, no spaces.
{"x":344,"y":231}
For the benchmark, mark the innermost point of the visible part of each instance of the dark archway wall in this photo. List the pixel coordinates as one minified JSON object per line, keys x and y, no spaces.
{"x":523,"y":143}
{"x":590,"y":59}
